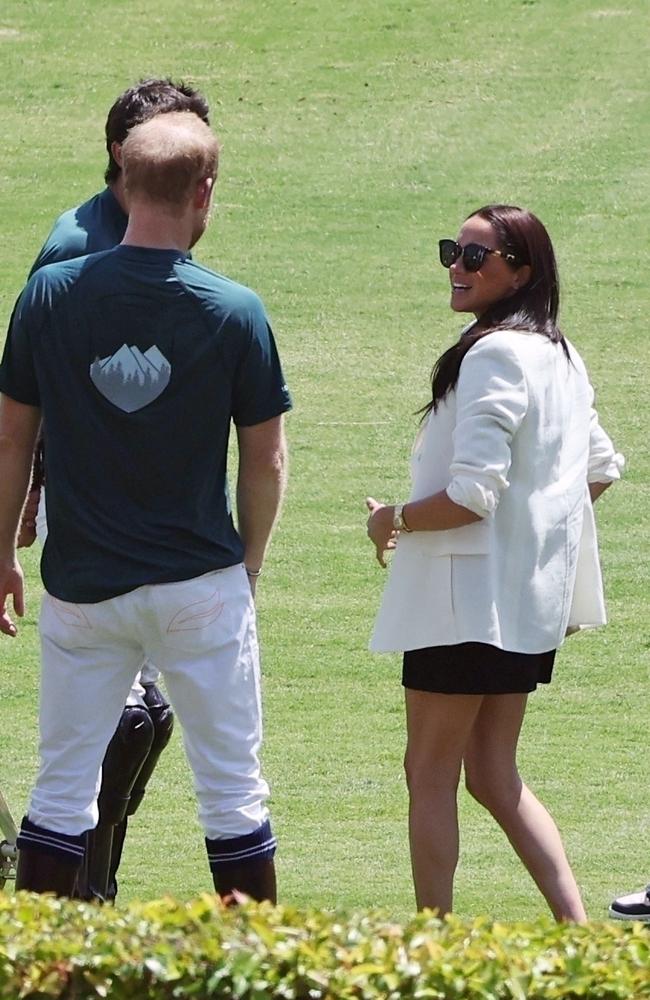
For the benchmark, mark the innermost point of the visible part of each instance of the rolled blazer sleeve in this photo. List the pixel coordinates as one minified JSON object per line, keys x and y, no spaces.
{"x":605,"y":463}
{"x":491,"y":402}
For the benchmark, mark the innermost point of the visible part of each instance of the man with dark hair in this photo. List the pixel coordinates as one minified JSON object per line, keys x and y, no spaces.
{"x":138,"y":359}
{"x":147,"y":721}
{"x":137,"y":105}
{"x":100,"y":223}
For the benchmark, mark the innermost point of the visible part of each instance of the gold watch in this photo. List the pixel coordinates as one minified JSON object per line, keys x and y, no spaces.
{"x":399,"y":523}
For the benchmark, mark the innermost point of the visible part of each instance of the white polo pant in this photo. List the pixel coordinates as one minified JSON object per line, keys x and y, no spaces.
{"x":148,"y":673}
{"x":201,"y":633}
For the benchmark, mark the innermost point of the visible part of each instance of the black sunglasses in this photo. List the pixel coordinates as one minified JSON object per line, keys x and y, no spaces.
{"x":473,"y":254}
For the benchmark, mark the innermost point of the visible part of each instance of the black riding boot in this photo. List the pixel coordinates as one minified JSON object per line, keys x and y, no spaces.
{"x":38,"y":871}
{"x":162,"y":719}
{"x":255,"y":878}
{"x":122,"y":762}
{"x":244,"y":863}
{"x":48,"y":861}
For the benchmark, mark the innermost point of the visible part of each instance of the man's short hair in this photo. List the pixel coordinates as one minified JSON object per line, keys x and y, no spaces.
{"x":140,"y":103}
{"x":166,"y":157}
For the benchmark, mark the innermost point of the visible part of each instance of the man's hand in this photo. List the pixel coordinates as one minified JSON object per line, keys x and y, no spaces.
{"x":11,"y":582}
{"x":27,"y":530}
{"x":380,"y":528}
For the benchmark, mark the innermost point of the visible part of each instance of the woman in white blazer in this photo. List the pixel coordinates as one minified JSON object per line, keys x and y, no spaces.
{"x":495,"y":551}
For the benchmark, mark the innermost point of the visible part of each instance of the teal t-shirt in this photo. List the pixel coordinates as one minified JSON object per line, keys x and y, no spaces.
{"x":98,"y":224}
{"x":139,"y":359}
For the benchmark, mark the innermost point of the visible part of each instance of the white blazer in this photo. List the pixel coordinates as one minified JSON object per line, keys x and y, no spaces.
{"x":516,"y":442}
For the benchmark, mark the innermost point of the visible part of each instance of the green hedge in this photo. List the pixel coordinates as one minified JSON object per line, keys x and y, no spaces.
{"x":52,"y":948}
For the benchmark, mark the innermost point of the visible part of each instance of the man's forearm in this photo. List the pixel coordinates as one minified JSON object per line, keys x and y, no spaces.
{"x":15,"y":475}
{"x":260,"y":488}
{"x":260,"y":485}
{"x":18,"y":428}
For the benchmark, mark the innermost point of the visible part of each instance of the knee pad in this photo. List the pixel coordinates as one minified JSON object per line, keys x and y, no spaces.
{"x":163,"y":727}
{"x":162,"y":720}
{"x":161,"y":714}
{"x":123,"y":762}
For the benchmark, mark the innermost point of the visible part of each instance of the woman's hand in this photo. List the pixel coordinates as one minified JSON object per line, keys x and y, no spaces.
{"x":380,"y":528}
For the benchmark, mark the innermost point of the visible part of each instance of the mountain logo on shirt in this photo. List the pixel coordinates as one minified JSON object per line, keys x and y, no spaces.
{"x":131,"y":379}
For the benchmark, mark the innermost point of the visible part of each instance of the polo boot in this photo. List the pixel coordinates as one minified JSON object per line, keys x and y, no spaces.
{"x":244,"y":864}
{"x":47,"y":861}
{"x":255,"y":879}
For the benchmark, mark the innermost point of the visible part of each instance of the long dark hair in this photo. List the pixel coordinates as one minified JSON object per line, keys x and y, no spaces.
{"x":533,"y":308}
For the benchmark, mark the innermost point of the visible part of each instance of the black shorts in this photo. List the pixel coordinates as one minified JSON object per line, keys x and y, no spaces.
{"x":475,"y":668}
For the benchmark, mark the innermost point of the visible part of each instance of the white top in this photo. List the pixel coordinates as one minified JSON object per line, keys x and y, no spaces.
{"x":516,"y":442}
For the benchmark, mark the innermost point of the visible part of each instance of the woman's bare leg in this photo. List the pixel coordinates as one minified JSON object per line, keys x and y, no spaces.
{"x":493,"y":779}
{"x":438,"y":727}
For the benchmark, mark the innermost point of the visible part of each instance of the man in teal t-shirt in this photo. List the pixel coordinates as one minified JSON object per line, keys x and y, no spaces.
{"x":138,"y":360}
{"x":100,"y":223}
{"x":147,"y":721}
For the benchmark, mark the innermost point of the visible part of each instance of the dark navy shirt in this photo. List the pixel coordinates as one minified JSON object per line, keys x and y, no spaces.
{"x":98,"y":224}
{"x":139,"y":360}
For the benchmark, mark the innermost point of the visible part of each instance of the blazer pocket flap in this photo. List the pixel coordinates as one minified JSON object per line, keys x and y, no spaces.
{"x":471,"y":540}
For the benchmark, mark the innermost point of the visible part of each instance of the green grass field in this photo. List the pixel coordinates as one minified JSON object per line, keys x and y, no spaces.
{"x":355,"y":135}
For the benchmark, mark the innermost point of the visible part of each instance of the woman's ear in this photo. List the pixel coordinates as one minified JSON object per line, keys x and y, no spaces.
{"x":522,"y":276}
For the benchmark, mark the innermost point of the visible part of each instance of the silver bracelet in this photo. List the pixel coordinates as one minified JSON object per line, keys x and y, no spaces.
{"x":253,"y":572}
